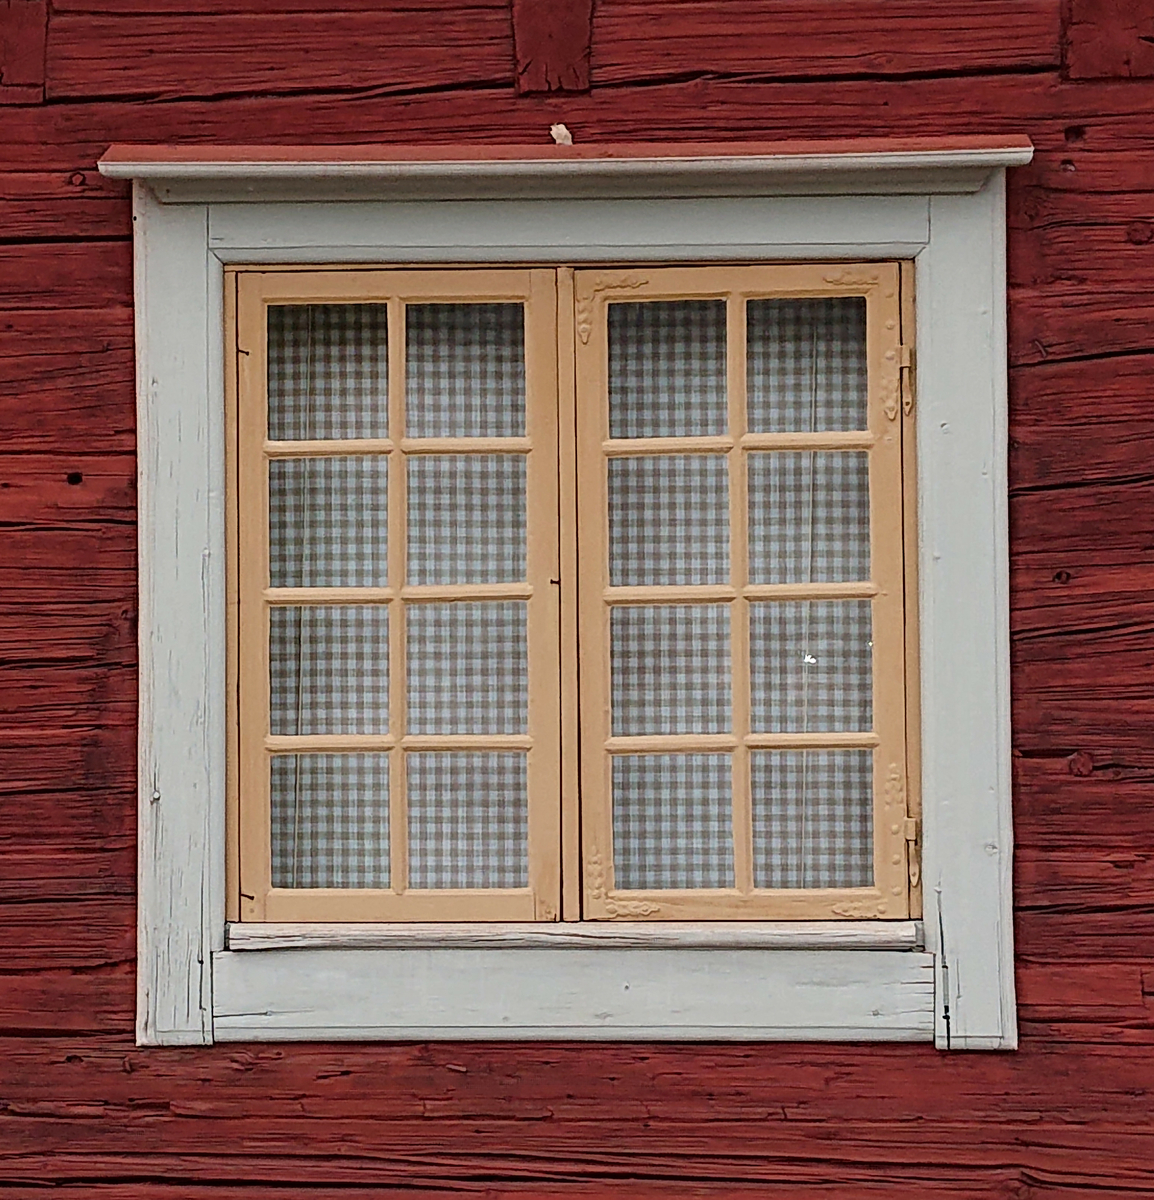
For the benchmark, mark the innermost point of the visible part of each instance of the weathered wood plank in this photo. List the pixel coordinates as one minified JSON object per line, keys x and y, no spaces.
{"x":61,"y":934}
{"x":552,"y":44}
{"x":1080,"y":422}
{"x":59,"y":275}
{"x":59,"y":204}
{"x":51,"y":869}
{"x":644,"y":39}
{"x":23,"y":30}
{"x":1110,"y":39}
{"x":188,"y":54}
{"x":58,"y":1002}
{"x":54,"y":489}
{"x":1097,"y":795}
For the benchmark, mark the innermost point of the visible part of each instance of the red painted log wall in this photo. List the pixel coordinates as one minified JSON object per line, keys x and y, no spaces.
{"x":1069,"y":1115}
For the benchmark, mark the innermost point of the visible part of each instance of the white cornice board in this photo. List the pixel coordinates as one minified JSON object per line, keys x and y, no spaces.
{"x":192,"y":990}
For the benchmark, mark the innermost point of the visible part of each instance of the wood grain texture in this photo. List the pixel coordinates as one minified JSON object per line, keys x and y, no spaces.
{"x":637,"y":39}
{"x":1110,"y":39}
{"x":1068,"y":1115}
{"x":23,"y":32}
{"x":390,"y":48}
{"x":552,"y":44}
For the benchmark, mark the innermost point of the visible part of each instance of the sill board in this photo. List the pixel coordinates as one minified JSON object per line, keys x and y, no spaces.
{"x":588,"y":935}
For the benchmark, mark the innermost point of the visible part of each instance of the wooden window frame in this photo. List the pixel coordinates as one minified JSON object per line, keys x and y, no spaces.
{"x":252,"y":896}
{"x":943,"y":206}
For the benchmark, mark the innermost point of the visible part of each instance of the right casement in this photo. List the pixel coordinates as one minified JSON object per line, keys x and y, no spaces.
{"x":745,"y":553}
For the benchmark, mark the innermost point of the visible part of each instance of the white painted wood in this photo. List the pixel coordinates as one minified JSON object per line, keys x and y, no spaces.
{"x":967,"y":830}
{"x":965,"y":650}
{"x":747,"y":995}
{"x":592,"y":935}
{"x":181,"y":731}
{"x":572,"y":230}
{"x":813,"y":173}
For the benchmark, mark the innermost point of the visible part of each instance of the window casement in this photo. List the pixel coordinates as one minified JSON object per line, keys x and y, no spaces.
{"x":755,"y":305}
{"x":463,"y":498}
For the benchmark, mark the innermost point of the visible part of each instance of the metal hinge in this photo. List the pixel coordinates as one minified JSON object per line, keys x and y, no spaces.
{"x":914,"y":849}
{"x":906,"y":373}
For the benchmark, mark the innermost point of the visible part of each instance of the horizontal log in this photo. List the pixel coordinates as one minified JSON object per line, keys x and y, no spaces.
{"x":72,"y":1136}
{"x":88,"y":773}
{"x":1090,"y":518}
{"x":57,"y":1002}
{"x":52,"y":564}
{"x":69,"y":697}
{"x":50,"y":869}
{"x":1109,"y":39}
{"x":769,"y":1085}
{"x":1075,"y":423}
{"x":63,"y":275}
{"x":142,"y":54}
{"x":67,"y":136}
{"x":63,"y":204}
{"x":1084,"y":936}
{"x":1096,"y":796}
{"x":64,"y":634}
{"x":55,"y":489}
{"x":65,"y":934}
{"x":635,"y":40}
{"x":1071,"y":320}
{"x":1101,"y":881}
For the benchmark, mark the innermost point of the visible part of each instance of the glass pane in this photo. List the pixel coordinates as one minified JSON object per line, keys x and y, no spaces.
{"x":330,"y":820}
{"x":811,"y":666}
{"x":329,"y":668}
{"x":328,"y":371}
{"x":328,"y":521}
{"x":464,"y":370}
{"x":667,"y":368}
{"x":671,"y":669}
{"x":812,"y":818}
{"x":668,"y":519}
{"x":468,"y":820}
{"x":672,"y":821}
{"x":806,"y":364}
{"x":809,"y":516}
{"x":466,"y":518}
{"x":468,"y":667}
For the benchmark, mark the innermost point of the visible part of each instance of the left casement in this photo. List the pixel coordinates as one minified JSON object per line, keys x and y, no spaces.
{"x":567,"y":594}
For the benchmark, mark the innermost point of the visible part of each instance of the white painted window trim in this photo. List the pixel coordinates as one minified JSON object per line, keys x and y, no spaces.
{"x":946,"y":210}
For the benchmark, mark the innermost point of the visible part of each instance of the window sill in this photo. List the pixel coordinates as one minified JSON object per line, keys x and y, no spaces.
{"x":589,"y":935}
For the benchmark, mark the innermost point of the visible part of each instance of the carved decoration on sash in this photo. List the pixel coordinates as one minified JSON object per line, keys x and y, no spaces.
{"x":601,"y":283}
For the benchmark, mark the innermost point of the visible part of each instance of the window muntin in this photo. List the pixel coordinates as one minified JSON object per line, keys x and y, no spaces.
{"x":690,"y":809}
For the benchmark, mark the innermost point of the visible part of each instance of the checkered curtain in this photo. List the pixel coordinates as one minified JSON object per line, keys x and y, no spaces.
{"x":806,"y":364}
{"x":467,"y":669}
{"x":811,"y":668}
{"x":667,"y":369}
{"x":330,"y":820}
{"x":466,"y":518}
{"x":328,"y":522}
{"x":812,"y":818}
{"x":328,"y":371}
{"x":809,"y":519}
{"x":468,"y":820}
{"x":464,"y":370}
{"x":810,"y":661}
{"x":668,"y":519}
{"x":672,"y":823}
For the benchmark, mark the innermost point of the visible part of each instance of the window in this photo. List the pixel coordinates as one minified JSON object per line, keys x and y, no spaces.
{"x":635,"y":227}
{"x":731,"y":578}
